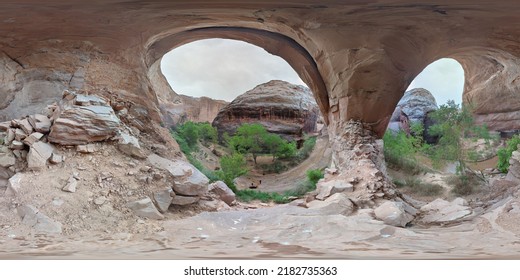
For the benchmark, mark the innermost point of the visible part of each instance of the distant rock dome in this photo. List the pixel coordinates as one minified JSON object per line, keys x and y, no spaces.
{"x":282,"y":108}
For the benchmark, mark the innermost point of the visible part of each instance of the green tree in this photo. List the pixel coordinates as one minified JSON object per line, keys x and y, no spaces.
{"x":231,"y":167}
{"x":189,"y":131}
{"x":249,"y":139}
{"x":453,"y":125}
{"x":286,"y":150}
{"x":207,"y":133}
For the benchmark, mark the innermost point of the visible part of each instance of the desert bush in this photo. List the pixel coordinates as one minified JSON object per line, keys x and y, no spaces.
{"x":463,"y":184}
{"x":504,"y":154}
{"x":275,"y":167}
{"x":231,"y":167}
{"x":400,"y":150}
{"x":250,"y":195}
{"x":314,"y":175}
{"x":417,"y":186}
{"x":306,"y":149}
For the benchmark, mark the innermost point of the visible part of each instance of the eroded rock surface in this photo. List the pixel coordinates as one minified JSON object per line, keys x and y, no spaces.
{"x":282,"y":108}
{"x":81,"y":119}
{"x":188,"y":180}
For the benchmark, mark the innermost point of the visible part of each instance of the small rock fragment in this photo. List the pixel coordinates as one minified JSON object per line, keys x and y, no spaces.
{"x":129,"y":145}
{"x":71,"y":185}
{"x":33,"y":138}
{"x":86,"y":149}
{"x":55,"y":158}
{"x":38,"y":155}
{"x":100,"y":200}
{"x":40,"y":123}
{"x":16,"y":145}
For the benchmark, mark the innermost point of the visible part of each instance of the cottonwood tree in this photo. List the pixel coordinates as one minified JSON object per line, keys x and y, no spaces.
{"x":453,"y":125}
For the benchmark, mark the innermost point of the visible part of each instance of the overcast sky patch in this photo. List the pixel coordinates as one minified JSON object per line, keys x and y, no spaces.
{"x":223,"y":69}
{"x":444,"y":78}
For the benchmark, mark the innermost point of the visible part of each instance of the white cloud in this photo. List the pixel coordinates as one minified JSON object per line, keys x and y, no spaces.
{"x":222,"y":69}
{"x":444,"y":78}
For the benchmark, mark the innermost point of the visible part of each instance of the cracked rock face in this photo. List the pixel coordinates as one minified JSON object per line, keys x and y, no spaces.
{"x":82,"y":119}
{"x":282,"y":108}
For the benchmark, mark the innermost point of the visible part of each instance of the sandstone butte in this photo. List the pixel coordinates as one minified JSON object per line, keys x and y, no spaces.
{"x":281,"y":107}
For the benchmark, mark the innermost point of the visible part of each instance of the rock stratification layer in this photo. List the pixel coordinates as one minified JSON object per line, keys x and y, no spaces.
{"x":281,"y":107}
{"x":177,"y":108}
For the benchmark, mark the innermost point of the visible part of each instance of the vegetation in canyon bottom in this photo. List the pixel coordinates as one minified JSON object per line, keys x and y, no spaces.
{"x":250,"y":140}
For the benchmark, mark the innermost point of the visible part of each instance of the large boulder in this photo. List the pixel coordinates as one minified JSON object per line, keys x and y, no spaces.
{"x":415,"y":103}
{"x":81,"y":119}
{"x":223,"y":192}
{"x":393,"y":213}
{"x":282,"y":108}
{"x":187,"y":179}
{"x":441,"y":211}
{"x":39,"y":222}
{"x":338,"y":203}
{"x":145,"y":208}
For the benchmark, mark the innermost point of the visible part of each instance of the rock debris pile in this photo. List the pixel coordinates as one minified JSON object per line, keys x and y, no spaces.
{"x":71,"y":158}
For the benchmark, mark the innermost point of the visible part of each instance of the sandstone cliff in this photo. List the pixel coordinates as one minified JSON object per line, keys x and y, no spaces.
{"x":282,"y":108}
{"x":177,"y":108}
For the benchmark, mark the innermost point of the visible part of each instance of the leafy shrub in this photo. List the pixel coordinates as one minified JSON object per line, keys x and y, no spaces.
{"x":314,"y":175}
{"x":463,"y":184}
{"x":231,"y":167}
{"x":306,"y":149}
{"x":249,"y":195}
{"x":426,"y":189}
{"x":400,"y":150}
{"x":504,"y":154}
{"x":207,"y":133}
{"x":454,"y":124}
{"x":189,"y":132}
{"x":255,"y":140}
{"x":275,"y":167}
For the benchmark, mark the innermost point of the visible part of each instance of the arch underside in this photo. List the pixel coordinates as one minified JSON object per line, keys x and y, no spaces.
{"x":274,"y":43}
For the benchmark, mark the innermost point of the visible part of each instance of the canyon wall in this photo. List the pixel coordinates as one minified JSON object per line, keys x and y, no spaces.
{"x":357,"y":57}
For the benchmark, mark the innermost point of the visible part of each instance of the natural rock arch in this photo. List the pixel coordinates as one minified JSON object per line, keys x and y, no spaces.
{"x":365,"y":52}
{"x":274,"y":43}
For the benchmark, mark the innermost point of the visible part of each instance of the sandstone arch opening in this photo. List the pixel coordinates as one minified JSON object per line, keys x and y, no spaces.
{"x":260,"y":81}
{"x":222,"y":68}
{"x":440,"y":81}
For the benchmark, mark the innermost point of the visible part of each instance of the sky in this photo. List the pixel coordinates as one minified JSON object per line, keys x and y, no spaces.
{"x":223,"y":69}
{"x":444,"y":78}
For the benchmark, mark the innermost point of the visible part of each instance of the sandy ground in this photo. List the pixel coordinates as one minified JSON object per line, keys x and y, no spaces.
{"x":287,"y":232}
